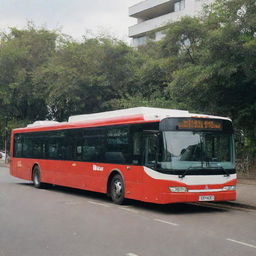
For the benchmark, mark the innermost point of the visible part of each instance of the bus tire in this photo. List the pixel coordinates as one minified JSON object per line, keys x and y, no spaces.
{"x":117,"y":189}
{"x":36,"y":177}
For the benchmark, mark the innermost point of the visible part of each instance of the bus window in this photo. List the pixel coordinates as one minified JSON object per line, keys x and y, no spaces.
{"x":137,"y":141}
{"x":93,"y":145}
{"x":27,"y":147}
{"x":55,"y":145}
{"x":17,"y":145}
{"x":117,"y":145}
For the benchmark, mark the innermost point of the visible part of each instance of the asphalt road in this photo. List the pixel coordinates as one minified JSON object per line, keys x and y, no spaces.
{"x":66,"y":222}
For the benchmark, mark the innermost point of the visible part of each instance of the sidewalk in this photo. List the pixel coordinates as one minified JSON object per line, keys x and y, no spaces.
{"x":2,"y":164}
{"x":246,"y":191}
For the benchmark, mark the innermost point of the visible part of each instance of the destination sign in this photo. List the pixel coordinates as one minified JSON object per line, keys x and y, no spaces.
{"x":199,"y":124}
{"x":195,"y":124}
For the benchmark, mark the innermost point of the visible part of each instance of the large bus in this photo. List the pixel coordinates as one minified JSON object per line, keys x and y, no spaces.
{"x":149,"y":154}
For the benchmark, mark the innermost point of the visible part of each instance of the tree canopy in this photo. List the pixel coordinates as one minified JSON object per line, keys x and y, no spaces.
{"x":205,"y":64}
{"x":213,"y":62}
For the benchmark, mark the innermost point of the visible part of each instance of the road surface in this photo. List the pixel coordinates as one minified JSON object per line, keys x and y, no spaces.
{"x":64,"y":222}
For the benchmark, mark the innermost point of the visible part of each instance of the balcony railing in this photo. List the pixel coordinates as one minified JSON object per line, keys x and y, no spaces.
{"x":156,"y":23}
{"x":138,"y":9}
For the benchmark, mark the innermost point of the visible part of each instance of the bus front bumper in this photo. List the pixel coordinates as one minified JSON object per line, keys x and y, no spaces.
{"x":189,"y":197}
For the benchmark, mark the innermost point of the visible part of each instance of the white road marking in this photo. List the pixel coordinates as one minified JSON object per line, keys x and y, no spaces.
{"x":242,"y":243}
{"x":101,"y":204}
{"x":71,"y":203}
{"x":128,"y":209}
{"x":166,"y":222}
{"x":131,"y":254}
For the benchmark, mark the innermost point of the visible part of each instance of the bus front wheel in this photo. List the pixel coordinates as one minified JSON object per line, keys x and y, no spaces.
{"x":117,"y":189}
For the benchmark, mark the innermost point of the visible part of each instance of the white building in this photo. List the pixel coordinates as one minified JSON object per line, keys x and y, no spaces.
{"x":153,"y":15}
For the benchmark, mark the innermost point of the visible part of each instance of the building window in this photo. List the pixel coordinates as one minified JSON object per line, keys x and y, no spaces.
{"x":152,"y":36}
{"x":179,"y":6}
{"x":139,"y":41}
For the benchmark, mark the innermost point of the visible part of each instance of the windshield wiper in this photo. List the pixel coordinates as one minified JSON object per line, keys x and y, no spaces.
{"x":227,"y":174}
{"x":186,"y":171}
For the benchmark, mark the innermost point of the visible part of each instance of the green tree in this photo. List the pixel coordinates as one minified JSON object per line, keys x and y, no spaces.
{"x":212,"y":62}
{"x":86,"y":77}
{"x":21,"y":52}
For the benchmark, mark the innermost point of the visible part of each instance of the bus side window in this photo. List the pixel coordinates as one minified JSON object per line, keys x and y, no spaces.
{"x":117,"y":145}
{"x":137,"y":145}
{"x":52,"y":150}
{"x":37,"y":146}
{"x":79,"y":152}
{"x":17,"y":145}
{"x":56,"y":146}
{"x":93,"y":142}
{"x":73,"y":144}
{"x":89,"y":152}
{"x":27,"y":147}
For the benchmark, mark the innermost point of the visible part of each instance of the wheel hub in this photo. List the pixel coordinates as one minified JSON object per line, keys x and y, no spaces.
{"x":118,"y":187}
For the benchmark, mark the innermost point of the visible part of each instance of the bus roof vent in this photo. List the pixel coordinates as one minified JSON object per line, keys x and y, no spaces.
{"x":43,"y":123}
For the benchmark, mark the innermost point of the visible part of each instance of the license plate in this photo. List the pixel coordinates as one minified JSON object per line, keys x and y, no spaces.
{"x":206,"y":198}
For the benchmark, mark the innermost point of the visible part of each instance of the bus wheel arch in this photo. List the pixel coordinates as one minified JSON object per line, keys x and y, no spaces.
{"x":116,"y":179}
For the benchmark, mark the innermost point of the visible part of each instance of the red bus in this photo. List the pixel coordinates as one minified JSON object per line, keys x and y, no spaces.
{"x":147,"y":154}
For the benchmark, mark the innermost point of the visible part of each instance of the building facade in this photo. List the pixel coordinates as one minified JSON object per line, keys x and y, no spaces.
{"x":153,"y":15}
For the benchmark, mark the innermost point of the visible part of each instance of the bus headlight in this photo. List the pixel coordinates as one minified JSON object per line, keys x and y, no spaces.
{"x":228,"y":188}
{"x":178,"y":189}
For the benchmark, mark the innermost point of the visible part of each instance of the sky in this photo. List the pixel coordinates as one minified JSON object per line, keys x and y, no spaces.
{"x":72,"y":17}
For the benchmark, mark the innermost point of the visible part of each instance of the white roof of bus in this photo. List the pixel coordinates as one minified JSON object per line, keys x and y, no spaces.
{"x":148,"y":114}
{"x":43,"y":123}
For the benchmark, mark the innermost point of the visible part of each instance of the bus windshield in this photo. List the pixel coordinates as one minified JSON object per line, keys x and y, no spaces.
{"x":194,"y":150}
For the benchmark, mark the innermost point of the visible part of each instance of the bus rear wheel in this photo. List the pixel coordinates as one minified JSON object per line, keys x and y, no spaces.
{"x":37,"y":178}
{"x":117,"y":189}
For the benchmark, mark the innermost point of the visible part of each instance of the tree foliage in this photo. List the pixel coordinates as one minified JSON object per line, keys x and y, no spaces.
{"x":213,"y":64}
{"x":21,"y":52}
{"x":205,"y":64}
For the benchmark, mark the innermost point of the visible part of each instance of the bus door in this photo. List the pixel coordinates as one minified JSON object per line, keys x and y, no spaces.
{"x":122,"y":152}
{"x":150,"y":160}
{"x":151,"y":148}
